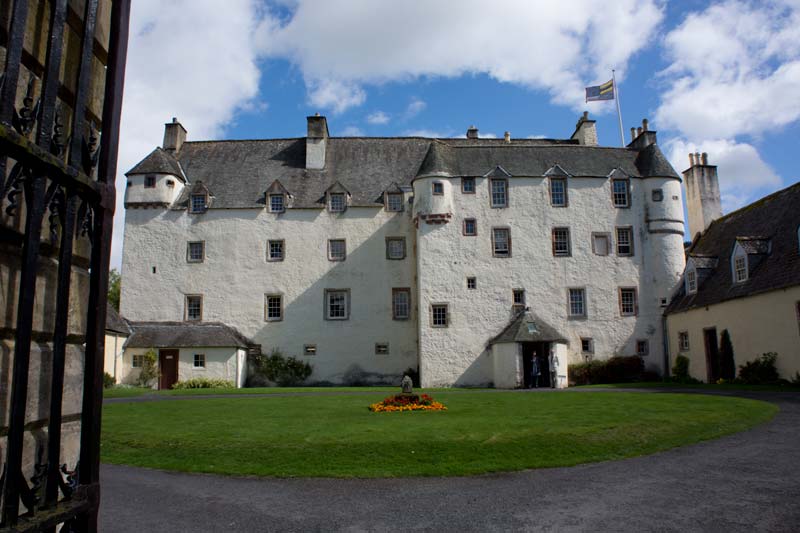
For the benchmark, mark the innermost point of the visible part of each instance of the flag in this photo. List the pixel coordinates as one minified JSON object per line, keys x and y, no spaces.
{"x":600,"y":92}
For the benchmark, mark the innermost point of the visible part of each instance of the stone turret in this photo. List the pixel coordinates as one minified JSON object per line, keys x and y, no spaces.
{"x":316,"y":142}
{"x":702,"y":193}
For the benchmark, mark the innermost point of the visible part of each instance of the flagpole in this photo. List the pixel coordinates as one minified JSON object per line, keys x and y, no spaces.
{"x":619,"y":112}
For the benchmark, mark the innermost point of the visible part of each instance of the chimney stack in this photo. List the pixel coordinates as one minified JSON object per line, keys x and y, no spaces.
{"x":507,"y":136}
{"x":174,"y":136}
{"x":316,"y":142}
{"x":585,"y":131}
{"x":703,"y":203}
{"x":643,"y":136}
{"x":472,"y":132}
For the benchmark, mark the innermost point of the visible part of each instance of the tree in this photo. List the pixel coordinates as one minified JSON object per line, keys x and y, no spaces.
{"x":149,"y":371}
{"x":114,"y":282}
{"x":727,"y":367}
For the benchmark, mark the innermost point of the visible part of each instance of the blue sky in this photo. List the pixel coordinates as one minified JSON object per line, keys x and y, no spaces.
{"x":719,"y":76}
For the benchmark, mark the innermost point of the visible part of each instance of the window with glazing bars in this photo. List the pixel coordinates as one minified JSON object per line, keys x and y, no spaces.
{"x":401,"y":304}
{"x":199,"y":360}
{"x":195,"y":252}
{"x":198,"y":203}
{"x":620,"y":192}
{"x":194,"y":307}
{"x":501,"y":242}
{"x":558,"y":192}
{"x":274,"y":307}
{"x":276,"y":203}
{"x":577,"y":302}
{"x":395,"y":247}
{"x":624,"y":241}
{"x":468,"y":185}
{"x":740,"y":267}
{"x":336,"y":304}
{"x":627,"y":301}
{"x":275,"y":250}
{"x":394,"y":202}
{"x":683,"y":340}
{"x":337,"y":250}
{"x":337,"y":202}
{"x":439,"y":315}
{"x":499,"y":192}
{"x":561,"y":244}
{"x":691,"y":281}
{"x":470,"y":227}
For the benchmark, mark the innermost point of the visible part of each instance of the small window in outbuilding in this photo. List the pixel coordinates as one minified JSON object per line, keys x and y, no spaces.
{"x":149,"y":182}
{"x":381,"y":348}
{"x":309,"y":349}
{"x":137,"y":361}
{"x":199,"y":360}
{"x":683,"y":340}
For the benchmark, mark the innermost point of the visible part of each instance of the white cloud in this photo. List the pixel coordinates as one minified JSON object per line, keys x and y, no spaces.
{"x":743,"y":175}
{"x":735,"y":70}
{"x":378,"y":117}
{"x":435,"y":134}
{"x":416,"y":107}
{"x":352,"y":131}
{"x":173,"y":69}
{"x":342,"y":45}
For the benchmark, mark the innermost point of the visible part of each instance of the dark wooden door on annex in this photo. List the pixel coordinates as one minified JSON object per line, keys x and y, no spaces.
{"x":168,"y":364}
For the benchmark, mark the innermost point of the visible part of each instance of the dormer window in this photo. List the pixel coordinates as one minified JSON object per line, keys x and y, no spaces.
{"x":336,"y":202}
{"x":691,"y":281}
{"x":149,"y":182}
{"x":740,"y":268}
{"x":394,"y":201}
{"x":620,"y":190}
{"x":276,"y":203}
{"x":198,"y":203}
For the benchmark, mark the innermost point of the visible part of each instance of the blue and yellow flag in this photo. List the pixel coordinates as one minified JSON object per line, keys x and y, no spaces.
{"x":600,"y":92}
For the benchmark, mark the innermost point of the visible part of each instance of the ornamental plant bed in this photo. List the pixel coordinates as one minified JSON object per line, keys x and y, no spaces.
{"x":407,"y":402}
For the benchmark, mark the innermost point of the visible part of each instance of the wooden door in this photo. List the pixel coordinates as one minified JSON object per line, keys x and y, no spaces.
{"x":712,"y":354}
{"x":168,"y":365}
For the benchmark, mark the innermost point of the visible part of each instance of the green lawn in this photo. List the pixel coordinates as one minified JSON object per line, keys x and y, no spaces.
{"x":336,"y":436}
{"x":700,"y":386}
{"x":137,"y":391}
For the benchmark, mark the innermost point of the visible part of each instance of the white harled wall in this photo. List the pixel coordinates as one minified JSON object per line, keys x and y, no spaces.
{"x":235,"y":277}
{"x":458,"y":355}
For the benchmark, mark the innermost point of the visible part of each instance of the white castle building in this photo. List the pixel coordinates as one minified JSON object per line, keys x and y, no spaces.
{"x":369,"y":256}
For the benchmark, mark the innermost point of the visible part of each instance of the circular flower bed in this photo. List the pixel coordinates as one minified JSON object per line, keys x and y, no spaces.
{"x":407,"y":402}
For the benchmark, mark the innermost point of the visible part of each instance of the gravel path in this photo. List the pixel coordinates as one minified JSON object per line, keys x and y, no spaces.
{"x":743,"y":482}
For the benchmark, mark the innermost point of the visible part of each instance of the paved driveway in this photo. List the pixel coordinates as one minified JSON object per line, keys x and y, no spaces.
{"x":743,"y":482}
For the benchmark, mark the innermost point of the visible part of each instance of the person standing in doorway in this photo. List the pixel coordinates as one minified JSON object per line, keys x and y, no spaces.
{"x":553,"y":359}
{"x":535,"y":371}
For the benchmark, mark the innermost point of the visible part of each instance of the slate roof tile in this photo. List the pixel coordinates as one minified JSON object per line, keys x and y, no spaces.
{"x":184,"y":335}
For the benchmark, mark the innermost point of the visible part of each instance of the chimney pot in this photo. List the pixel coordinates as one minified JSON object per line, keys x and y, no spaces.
{"x":705,"y":158}
{"x":633,"y":134}
{"x":644,"y":124}
{"x":472,"y":132}
{"x":691,"y":160}
{"x":507,"y":136}
{"x":316,"y":114}
{"x":174,"y":120}
{"x":638,"y":131}
{"x":585,"y":115}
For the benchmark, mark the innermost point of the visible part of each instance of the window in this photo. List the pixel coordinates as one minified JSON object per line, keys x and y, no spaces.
{"x":199,"y":360}
{"x":336,"y":202}
{"x":470,"y":227}
{"x":337,"y":250}
{"x":620,"y":192}
{"x":691,"y":281}
{"x":600,"y":243}
{"x":275,"y":250}
{"x":395,"y":247}
{"x":519,"y":297}
{"x":658,"y":195}
{"x":273,"y":304}
{"x":195,"y":252}
{"x":642,"y":347}
{"x":309,"y":349}
{"x":627,"y":302}
{"x":401,"y":304}
{"x":276,"y":203}
{"x":468,"y":185}
{"x":663,"y":302}
{"x":198,"y":204}
{"x":394,"y":201}
{"x":337,"y":304}
{"x":740,"y":268}
{"x":499,"y":192}
{"x":439,"y":315}
{"x":381,"y":348}
{"x":577,"y":302}
{"x":558,"y":192}
{"x":501,"y":242}
{"x":683,"y":340}
{"x":149,"y":182}
{"x":170,"y":184}
{"x":561,"y":244}
{"x":194,"y":307}
{"x":137,"y":361}
{"x":624,"y":241}
{"x":472,"y":283}
{"x":587,"y":345}
{"x":438,"y":188}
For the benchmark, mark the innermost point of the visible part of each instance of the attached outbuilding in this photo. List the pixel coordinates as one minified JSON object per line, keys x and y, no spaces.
{"x":187,"y":350}
{"x":117,"y":333}
{"x":513,"y":351}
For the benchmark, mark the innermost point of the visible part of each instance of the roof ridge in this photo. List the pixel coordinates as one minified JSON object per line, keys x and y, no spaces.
{"x":757,"y":203}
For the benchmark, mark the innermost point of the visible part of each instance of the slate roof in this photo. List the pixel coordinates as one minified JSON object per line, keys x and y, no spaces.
{"x":771,"y":222}
{"x":518,"y":330}
{"x":238,"y":173}
{"x":115,"y":323}
{"x":159,"y":161}
{"x":184,"y":335}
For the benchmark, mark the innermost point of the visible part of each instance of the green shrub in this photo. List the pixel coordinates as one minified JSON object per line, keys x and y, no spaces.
{"x":680,"y":368}
{"x":204,"y":383}
{"x":285,"y":371}
{"x":761,"y":371}
{"x":727,"y":367}
{"x":618,"y":369}
{"x":149,"y":371}
{"x":108,"y":380}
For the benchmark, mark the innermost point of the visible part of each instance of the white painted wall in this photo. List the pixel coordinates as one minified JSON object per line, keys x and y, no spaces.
{"x":507,"y":359}
{"x":236,"y":275}
{"x":112,"y":358}
{"x":456,"y":354}
{"x":135,"y":191}
{"x":221,"y":363}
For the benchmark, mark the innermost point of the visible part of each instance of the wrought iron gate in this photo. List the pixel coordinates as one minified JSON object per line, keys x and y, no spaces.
{"x":68,"y":177}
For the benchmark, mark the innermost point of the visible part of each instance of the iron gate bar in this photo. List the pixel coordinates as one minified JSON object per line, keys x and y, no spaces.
{"x":82,"y":87}
{"x":8,"y":96}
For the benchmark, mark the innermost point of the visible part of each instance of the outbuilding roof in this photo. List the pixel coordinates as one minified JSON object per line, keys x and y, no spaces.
{"x":184,"y":335}
{"x":115,"y":323}
{"x":238,"y":173}
{"x":159,"y":161}
{"x":767,"y":230}
{"x":527,"y":327}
